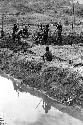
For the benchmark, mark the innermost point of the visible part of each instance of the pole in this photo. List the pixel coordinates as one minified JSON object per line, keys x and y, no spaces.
{"x":2,"y":31}
{"x":73,"y":19}
{"x":73,"y":24}
{"x":2,"y":21}
{"x":74,"y":15}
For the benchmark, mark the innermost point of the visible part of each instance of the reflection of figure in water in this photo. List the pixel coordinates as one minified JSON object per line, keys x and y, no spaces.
{"x":46,"y":106}
{"x":16,"y":88}
{"x":18,"y":93}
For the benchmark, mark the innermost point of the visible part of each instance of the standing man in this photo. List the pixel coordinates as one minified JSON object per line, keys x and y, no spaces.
{"x":59,"y":37}
{"x":41,"y":27}
{"x":2,"y":33}
{"x":15,"y":29}
{"x":45,"y":36}
{"x":25,"y":31}
{"x":39,"y":37}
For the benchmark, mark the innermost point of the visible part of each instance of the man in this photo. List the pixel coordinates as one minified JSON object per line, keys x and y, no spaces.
{"x":48,"y":55}
{"x":41,"y":27}
{"x":25,"y":31}
{"x":15,"y":29}
{"x":59,"y":28}
{"x":45,"y":36}
{"x":39,"y":36}
{"x":2,"y":33}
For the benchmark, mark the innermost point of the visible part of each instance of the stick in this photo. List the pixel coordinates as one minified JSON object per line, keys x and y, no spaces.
{"x":38,"y":103}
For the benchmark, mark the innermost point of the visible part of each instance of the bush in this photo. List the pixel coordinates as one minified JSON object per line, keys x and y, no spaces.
{"x":66,"y":84}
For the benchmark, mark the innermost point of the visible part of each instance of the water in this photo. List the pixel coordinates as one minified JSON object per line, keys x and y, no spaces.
{"x":21,"y":109}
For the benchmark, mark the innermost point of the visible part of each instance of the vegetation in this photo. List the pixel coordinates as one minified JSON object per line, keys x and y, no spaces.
{"x":62,"y":84}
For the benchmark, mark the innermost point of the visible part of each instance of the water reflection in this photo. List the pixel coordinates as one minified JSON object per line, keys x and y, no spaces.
{"x":46,"y":106}
{"x":16,"y":108}
{"x":27,"y":109}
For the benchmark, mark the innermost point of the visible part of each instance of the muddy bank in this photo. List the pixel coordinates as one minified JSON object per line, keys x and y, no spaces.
{"x":74,"y":111}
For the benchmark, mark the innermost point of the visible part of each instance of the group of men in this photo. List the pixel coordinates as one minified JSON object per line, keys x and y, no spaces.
{"x":24,"y":33}
{"x":48,"y":55}
{"x":43,"y":34}
{"x":18,"y":33}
